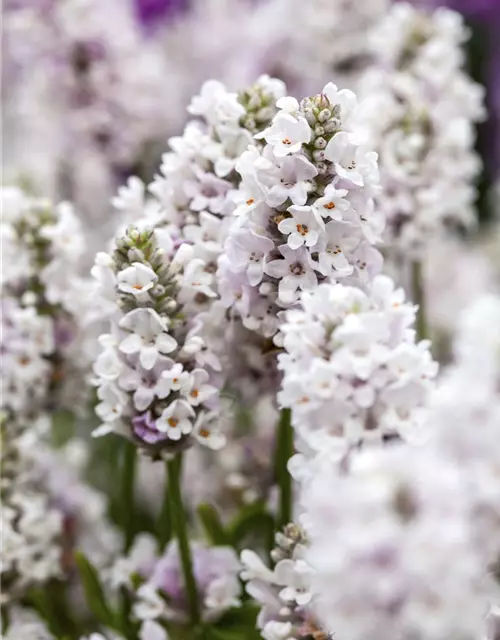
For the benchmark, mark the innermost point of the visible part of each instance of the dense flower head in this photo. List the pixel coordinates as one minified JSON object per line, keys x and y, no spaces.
{"x":87,"y":98}
{"x":190,"y":201}
{"x":162,"y":596}
{"x":154,"y":371}
{"x":419,"y":112}
{"x":190,"y":191}
{"x":384,"y":539}
{"x":367,"y":378}
{"x":304,"y":210}
{"x":27,"y":625}
{"x":32,"y":527}
{"x":283,"y":592}
{"x":44,"y":307}
{"x":465,"y":415}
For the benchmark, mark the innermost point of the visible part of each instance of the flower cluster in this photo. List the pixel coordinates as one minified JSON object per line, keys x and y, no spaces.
{"x":154,"y":372}
{"x":191,"y":197}
{"x":367,"y":377}
{"x":43,"y":319}
{"x":89,"y":97}
{"x":465,"y":415}
{"x":190,"y":194}
{"x":27,"y":625}
{"x":162,"y":596}
{"x":419,"y":112}
{"x":284,"y":592}
{"x":384,"y":557}
{"x":305,"y":210}
{"x":32,"y":527}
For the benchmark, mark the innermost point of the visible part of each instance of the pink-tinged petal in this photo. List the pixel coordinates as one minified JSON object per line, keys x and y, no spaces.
{"x":143,"y":397}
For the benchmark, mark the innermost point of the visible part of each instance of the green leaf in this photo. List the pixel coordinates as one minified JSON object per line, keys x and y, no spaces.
{"x":237,"y":617}
{"x":212,"y":525}
{"x":94,"y":593}
{"x":253,"y":519}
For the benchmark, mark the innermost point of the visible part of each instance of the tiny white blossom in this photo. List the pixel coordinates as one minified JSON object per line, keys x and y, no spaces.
{"x":136,"y":279}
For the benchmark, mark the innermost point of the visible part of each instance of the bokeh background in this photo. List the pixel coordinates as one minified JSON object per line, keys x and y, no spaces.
{"x":92,"y":90}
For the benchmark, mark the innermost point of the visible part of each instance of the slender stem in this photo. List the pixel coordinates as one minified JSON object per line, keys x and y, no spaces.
{"x":180,"y":530}
{"x":164,"y":527}
{"x":5,"y":619}
{"x":284,"y":451}
{"x":129,"y":464}
{"x":419,"y":298}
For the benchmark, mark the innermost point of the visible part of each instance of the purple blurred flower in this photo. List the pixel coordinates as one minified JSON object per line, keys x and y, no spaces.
{"x":154,"y":11}
{"x":476,"y":9}
{"x":211,"y":566}
{"x":482,"y":9}
{"x":145,"y":428}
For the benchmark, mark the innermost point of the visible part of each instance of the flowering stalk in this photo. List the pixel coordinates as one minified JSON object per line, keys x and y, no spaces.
{"x":191,"y":200}
{"x":283,"y":592}
{"x":153,"y":374}
{"x":43,"y":308}
{"x":305,"y":210}
{"x":419,"y":111}
{"x":32,"y":528}
{"x":179,"y":526}
{"x":368,"y":378}
{"x":363,"y":545}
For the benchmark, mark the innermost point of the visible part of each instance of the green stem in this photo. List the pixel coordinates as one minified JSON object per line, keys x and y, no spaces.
{"x":165,"y":519}
{"x":419,"y":298}
{"x":180,"y":531}
{"x":129,"y":464}
{"x":284,"y":451}
{"x":5,"y":619}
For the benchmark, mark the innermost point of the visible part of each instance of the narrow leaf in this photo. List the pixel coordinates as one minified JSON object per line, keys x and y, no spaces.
{"x":94,"y":593}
